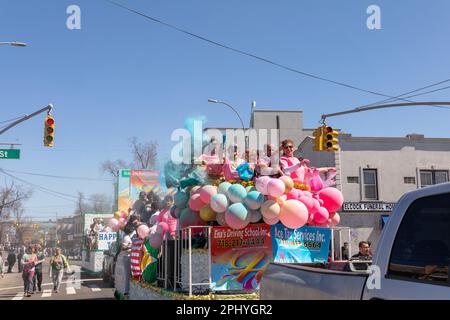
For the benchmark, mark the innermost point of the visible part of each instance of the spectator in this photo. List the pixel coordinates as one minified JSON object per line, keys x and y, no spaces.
{"x":19,"y":260}
{"x":11,"y":260}
{"x":29,"y":261}
{"x":57,"y":265}
{"x":345,"y":253}
{"x":1,"y":265}
{"x":139,"y":204}
{"x":364,"y":252}
{"x":165,"y":216}
{"x":37,"y":280}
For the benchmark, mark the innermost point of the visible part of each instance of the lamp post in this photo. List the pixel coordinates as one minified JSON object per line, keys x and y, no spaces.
{"x":13,"y":43}
{"x":239,"y":116}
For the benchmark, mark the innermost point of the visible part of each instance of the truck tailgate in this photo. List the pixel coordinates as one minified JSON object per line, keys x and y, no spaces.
{"x":296,"y":282}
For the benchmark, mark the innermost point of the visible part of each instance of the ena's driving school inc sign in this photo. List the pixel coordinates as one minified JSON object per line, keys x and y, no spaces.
{"x":368,"y":206}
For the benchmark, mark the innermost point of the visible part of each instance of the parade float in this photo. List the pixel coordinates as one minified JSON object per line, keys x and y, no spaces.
{"x":231,"y":222}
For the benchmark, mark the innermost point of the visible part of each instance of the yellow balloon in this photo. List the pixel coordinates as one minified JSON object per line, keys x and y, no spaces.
{"x":117,"y":215}
{"x":288,"y":182}
{"x":207,"y":214}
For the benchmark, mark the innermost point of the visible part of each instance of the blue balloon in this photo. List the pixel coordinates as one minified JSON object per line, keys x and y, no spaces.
{"x":223,"y":188}
{"x":181,"y":199}
{"x":237,"y":193}
{"x":254,"y":200}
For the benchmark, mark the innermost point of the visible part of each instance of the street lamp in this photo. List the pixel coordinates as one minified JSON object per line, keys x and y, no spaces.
{"x":237,"y":113}
{"x":14,"y":44}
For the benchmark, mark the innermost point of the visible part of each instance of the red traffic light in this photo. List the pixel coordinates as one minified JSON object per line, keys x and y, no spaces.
{"x":49,"y":122}
{"x":329,"y":129}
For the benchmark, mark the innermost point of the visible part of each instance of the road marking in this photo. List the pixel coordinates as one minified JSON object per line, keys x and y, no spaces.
{"x":95,"y":289}
{"x":51,"y":283}
{"x":47,"y":293}
{"x":70,"y":290}
{"x":18,"y":296}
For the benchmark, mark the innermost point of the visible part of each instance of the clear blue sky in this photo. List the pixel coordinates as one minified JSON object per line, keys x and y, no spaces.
{"x":122,"y":75}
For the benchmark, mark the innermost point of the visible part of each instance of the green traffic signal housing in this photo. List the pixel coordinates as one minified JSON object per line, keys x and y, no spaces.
{"x":49,"y":131}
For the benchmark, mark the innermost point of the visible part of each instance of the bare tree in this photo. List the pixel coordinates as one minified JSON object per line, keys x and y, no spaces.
{"x":12,"y":197}
{"x":144,"y":154}
{"x":112,"y":167}
{"x":100,"y":203}
{"x":82,"y":206}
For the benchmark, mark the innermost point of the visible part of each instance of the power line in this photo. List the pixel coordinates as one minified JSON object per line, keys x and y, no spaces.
{"x":413,"y":91}
{"x":58,"y":177}
{"x":250,"y":54}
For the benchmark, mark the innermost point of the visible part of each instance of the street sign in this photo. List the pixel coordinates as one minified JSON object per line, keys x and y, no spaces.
{"x":9,"y":154}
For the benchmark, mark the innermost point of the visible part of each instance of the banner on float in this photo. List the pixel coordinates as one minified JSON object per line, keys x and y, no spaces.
{"x":239,"y":257}
{"x":105,"y":239}
{"x":144,"y":180}
{"x":303,"y":245}
{"x":123,"y":189}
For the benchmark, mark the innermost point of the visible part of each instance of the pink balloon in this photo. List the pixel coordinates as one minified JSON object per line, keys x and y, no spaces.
{"x":206,"y":193}
{"x":122,"y":222}
{"x":332,"y":214}
{"x":294,"y":214}
{"x":307,"y":193}
{"x":309,"y":203}
{"x":196,"y":203}
{"x":114,"y":224}
{"x":293,"y":194}
{"x":162,"y":227}
{"x":332,"y":199}
{"x":156,"y":240}
{"x":311,"y":218}
{"x":143,"y":231}
{"x":321,"y":216}
{"x":271,"y":221}
{"x":336,"y":219}
{"x":300,"y":193}
{"x":123,"y":215}
{"x":321,"y":202}
{"x":261,"y":184}
{"x":276,"y":188}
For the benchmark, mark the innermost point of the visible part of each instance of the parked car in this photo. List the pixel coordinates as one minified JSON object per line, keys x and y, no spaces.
{"x":411,"y":262}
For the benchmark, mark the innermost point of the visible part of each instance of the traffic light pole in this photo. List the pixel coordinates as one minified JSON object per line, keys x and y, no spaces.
{"x":26,"y":117}
{"x":382,"y":106}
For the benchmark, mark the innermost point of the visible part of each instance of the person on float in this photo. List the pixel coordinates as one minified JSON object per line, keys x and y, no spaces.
{"x":230,"y":166}
{"x":268,"y":163}
{"x":295,"y":168}
{"x":165,"y":216}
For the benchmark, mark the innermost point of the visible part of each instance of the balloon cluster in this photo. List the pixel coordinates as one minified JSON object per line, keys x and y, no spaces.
{"x":119,"y":221}
{"x":273,"y":200}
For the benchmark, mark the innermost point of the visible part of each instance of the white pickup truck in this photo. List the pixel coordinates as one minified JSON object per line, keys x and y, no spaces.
{"x":411,"y":262}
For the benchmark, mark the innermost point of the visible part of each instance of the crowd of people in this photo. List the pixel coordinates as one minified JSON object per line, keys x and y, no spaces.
{"x":30,"y":262}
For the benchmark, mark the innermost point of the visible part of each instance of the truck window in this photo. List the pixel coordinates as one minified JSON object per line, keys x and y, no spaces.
{"x":421,"y":250}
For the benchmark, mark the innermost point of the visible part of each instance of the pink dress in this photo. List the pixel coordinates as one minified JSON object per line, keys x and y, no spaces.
{"x":292,"y":167}
{"x":165,"y":216}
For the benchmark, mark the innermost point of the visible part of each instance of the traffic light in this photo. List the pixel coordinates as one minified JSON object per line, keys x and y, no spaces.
{"x":49,"y":131}
{"x":330,"y":141}
{"x":318,"y":139}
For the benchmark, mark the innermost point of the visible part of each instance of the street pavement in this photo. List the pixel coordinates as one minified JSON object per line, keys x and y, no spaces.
{"x":77,"y":286}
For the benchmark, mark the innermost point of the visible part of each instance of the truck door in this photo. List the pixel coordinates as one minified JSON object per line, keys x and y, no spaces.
{"x":418,"y":265}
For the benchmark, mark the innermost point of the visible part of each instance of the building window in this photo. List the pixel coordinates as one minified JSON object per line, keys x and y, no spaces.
{"x":409,"y":180}
{"x":421,"y":250}
{"x":370,"y":184}
{"x":431,"y":177}
{"x":353,"y":179}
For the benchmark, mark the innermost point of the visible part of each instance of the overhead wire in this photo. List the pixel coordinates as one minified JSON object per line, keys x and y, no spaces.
{"x":57,"y":176}
{"x":253,"y":55}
